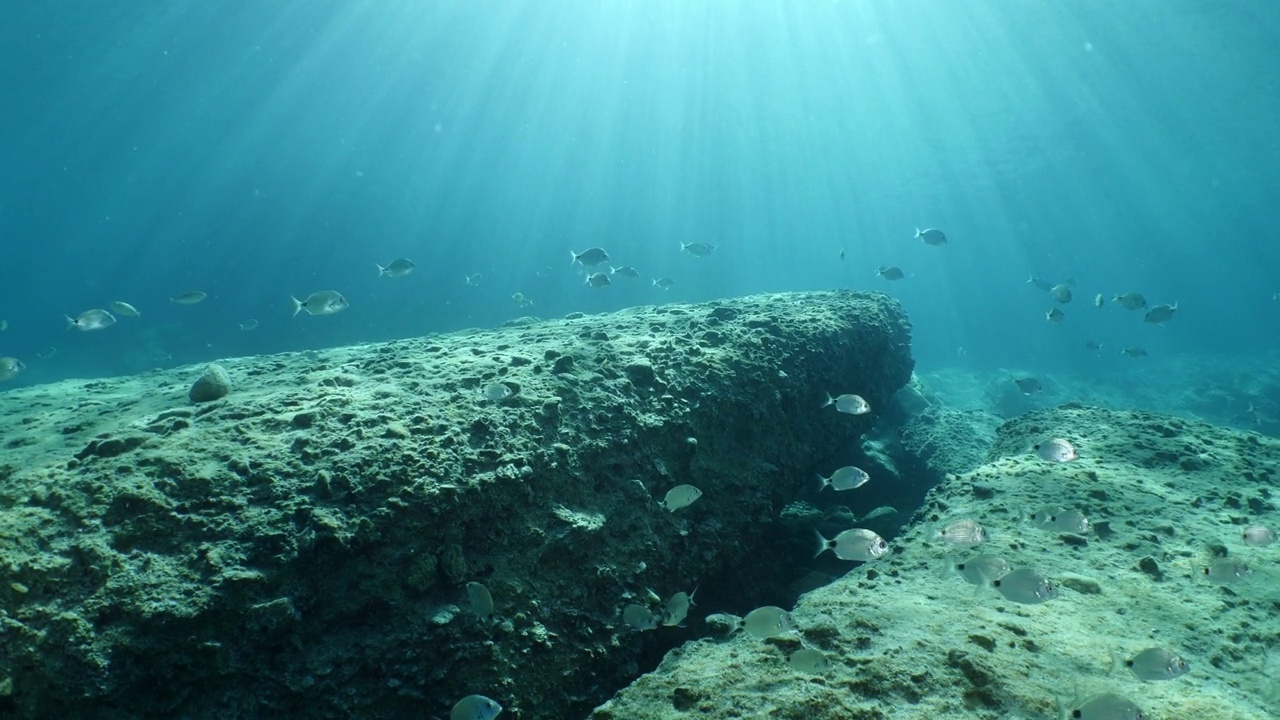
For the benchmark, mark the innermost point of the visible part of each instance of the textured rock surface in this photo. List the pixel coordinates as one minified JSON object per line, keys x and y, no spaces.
{"x":909,"y":639}
{"x":301,"y":548}
{"x":213,"y":384}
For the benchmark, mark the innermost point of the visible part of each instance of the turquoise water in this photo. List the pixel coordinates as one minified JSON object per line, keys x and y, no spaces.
{"x":255,"y":150}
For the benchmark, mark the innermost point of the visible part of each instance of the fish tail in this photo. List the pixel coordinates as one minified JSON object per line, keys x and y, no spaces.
{"x":381,"y":270}
{"x":917,"y":232}
{"x":822,"y":482}
{"x":830,"y":401}
{"x":70,"y":323}
{"x":297,"y":305}
{"x":823,"y":543}
{"x":573,"y":257}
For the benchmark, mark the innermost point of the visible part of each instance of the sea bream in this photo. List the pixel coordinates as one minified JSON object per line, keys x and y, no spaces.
{"x":325,"y":302}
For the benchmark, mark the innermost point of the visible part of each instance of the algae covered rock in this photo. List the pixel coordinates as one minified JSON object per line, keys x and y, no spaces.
{"x":305,"y":551}
{"x":213,"y":384}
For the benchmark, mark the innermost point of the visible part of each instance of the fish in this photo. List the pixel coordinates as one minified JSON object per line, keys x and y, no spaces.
{"x":842,"y":258}
{"x":1058,"y":519}
{"x":10,"y":368}
{"x":665,"y":283}
{"x":1258,"y":536}
{"x":857,"y":544}
{"x":1130,"y":300}
{"x":676,"y":608}
{"x":396,"y":268}
{"x":809,"y":661}
{"x":639,"y":617}
{"x":1056,"y":450}
{"x":324,"y":302}
{"x":590,"y":257}
{"x":1226,"y":571}
{"x":124,"y":309}
{"x":520,"y":300}
{"x":1093,"y":345}
{"x":1040,"y":284}
{"x":473,"y":280}
{"x":982,"y":569}
{"x":4,"y":325}
{"x":697,"y":249}
{"x":1028,"y":385}
{"x":249,"y":324}
{"x":1055,"y":315}
{"x":1153,"y":664}
{"x":931,"y":236}
{"x":680,"y":496}
{"x":1026,"y":586}
{"x":845,"y":478}
{"x":475,"y":707}
{"x":598,"y":279}
{"x":1161,"y":314}
{"x":47,"y":353}
{"x":848,"y":403}
{"x":768,"y":621}
{"x":1098,"y":300}
{"x":1134,"y":351}
{"x":91,"y":320}
{"x":1107,"y":706}
{"x":495,"y":391}
{"x":890,"y":272}
{"x":625,"y":271}
{"x":481,"y":600}
{"x":189,"y":298}
{"x":1061,"y":293}
{"x":962,"y":533}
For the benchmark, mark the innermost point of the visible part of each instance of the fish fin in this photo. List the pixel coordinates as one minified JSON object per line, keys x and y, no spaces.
{"x":70,"y":323}
{"x":1116,"y":662}
{"x":297,"y":305}
{"x":830,"y":401}
{"x":918,"y":232}
{"x":381,"y":270}
{"x":823,"y":543}
{"x":573,"y":257}
{"x":822,"y":482}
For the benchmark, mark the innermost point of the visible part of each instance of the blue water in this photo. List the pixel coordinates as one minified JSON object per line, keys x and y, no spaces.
{"x":257,"y":150}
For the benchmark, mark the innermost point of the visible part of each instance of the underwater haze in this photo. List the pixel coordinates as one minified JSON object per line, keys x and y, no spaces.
{"x":260,"y":150}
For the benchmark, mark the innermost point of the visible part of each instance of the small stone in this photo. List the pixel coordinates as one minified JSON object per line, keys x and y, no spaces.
{"x":1149,"y":566}
{"x":214,"y":384}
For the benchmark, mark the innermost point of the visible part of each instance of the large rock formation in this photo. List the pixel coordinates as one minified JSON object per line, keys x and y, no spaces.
{"x":301,"y":547}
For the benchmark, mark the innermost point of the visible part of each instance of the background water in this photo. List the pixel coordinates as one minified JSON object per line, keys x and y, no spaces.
{"x":255,"y":150}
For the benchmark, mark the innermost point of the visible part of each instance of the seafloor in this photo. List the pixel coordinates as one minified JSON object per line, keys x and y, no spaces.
{"x":302,"y":546}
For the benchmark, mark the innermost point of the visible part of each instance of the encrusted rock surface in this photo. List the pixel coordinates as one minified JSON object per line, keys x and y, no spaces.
{"x":300,"y":548}
{"x":908,"y":639}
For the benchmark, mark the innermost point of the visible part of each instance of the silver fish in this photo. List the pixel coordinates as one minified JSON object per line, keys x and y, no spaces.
{"x":1057,"y":519}
{"x":1258,"y":536}
{"x":325,"y":302}
{"x":848,"y":403}
{"x":91,"y":320}
{"x":495,"y":391}
{"x":481,"y":600}
{"x":890,"y":272}
{"x":396,"y":268}
{"x":249,"y":325}
{"x":697,"y":249}
{"x":931,"y":236}
{"x":982,"y":569}
{"x":1056,"y":450}
{"x":1107,"y":706}
{"x":680,"y":496}
{"x":845,"y":478}
{"x":809,"y":661}
{"x":520,"y":300}
{"x":590,"y":257}
{"x":1134,"y":351}
{"x":189,"y":298}
{"x":1093,"y":345}
{"x":1028,"y":386}
{"x":962,"y":533}
{"x":1161,"y":314}
{"x":1039,"y":284}
{"x":1055,"y":315}
{"x":676,"y":608}
{"x":639,"y":617}
{"x":1061,"y":293}
{"x":1098,"y":300}
{"x":1026,"y":586}
{"x":1226,"y":571}
{"x":475,"y":707}
{"x":768,"y":621}
{"x":1156,"y":664}
{"x":599,"y":279}
{"x":10,"y":368}
{"x":625,"y":271}
{"x":665,"y":283}
{"x":473,"y":280}
{"x":1130,"y":301}
{"x":124,"y":309}
{"x":858,"y":544}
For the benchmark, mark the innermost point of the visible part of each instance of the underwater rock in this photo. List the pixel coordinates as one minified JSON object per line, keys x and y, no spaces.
{"x":343,"y":503}
{"x":214,"y":384}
